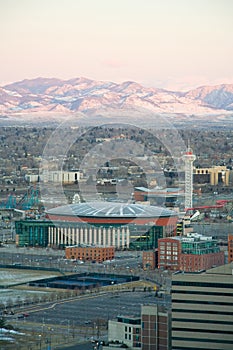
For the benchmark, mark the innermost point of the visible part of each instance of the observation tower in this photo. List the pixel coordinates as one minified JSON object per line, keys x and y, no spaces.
{"x":189,"y":158}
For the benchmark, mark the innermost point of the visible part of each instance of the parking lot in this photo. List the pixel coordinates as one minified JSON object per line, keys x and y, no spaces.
{"x":85,"y":318}
{"x":89,"y":308}
{"x":62,"y":320}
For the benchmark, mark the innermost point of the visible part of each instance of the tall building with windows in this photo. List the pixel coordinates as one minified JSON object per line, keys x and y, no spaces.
{"x":169,"y":251}
{"x":202,"y":309}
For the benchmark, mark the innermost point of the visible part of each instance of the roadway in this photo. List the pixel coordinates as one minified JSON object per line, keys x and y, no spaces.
{"x":82,"y":346}
{"x":46,"y":257}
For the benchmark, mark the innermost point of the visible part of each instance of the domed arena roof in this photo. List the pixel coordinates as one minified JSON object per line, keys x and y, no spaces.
{"x":111,"y":210}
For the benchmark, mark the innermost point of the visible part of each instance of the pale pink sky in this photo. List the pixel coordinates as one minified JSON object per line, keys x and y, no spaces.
{"x":176,"y":44}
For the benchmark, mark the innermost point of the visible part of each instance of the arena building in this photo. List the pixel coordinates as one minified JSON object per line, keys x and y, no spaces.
{"x":120,"y":225}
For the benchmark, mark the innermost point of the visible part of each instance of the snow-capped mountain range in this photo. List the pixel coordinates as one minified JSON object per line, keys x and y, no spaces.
{"x":50,"y":96}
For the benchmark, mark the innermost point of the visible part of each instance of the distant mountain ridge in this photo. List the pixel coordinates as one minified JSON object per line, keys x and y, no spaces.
{"x":57,"y":96}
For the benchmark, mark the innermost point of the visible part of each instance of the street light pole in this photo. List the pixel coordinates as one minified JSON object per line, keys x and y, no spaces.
{"x":68,"y":328}
{"x":40,"y":341}
{"x":49,"y":339}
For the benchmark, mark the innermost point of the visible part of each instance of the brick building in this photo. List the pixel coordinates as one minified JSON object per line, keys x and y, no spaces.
{"x":190,"y":253}
{"x":230,"y":248}
{"x":169,"y":251}
{"x":194,"y":263}
{"x":156,"y":327}
{"x":150,"y":259}
{"x":90,"y":253}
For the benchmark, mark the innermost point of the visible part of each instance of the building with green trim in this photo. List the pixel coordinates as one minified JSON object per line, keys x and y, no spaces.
{"x":119,"y":225}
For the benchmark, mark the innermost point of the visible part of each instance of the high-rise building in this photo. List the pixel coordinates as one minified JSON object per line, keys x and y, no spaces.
{"x":202,"y":309}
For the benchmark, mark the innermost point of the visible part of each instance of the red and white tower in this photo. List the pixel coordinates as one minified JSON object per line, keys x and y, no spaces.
{"x":189,"y":158}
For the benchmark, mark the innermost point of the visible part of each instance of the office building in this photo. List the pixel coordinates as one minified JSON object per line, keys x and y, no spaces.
{"x":202,"y":309}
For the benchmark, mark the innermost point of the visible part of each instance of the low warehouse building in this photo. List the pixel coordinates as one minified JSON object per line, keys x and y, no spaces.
{"x":90,"y":253}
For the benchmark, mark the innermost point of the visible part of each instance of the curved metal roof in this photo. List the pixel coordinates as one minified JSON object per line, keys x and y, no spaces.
{"x":110,"y":210}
